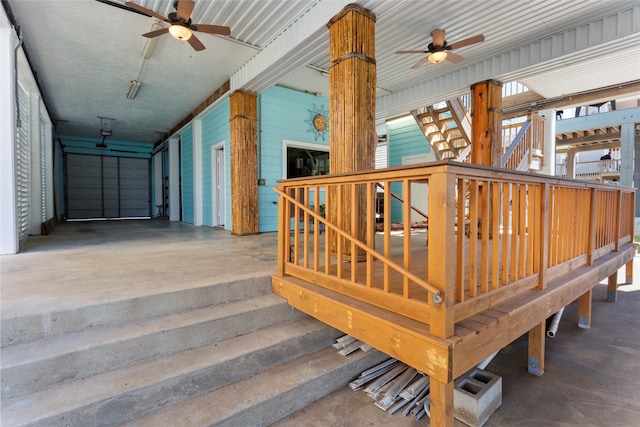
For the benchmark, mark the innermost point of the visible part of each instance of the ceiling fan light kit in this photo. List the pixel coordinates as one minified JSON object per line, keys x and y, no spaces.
{"x":438,"y":49}
{"x":437,"y":57}
{"x":180,"y":32}
{"x":180,"y":23}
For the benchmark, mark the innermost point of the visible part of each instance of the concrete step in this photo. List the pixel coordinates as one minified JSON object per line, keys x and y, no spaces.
{"x":20,"y":329}
{"x":268,"y":396}
{"x":37,"y":365}
{"x":125,"y":394}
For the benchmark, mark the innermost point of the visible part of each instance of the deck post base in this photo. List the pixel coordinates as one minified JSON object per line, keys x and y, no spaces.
{"x":537,"y":338}
{"x":584,"y":310}
{"x":612,"y":288}
{"x":629,"y":272}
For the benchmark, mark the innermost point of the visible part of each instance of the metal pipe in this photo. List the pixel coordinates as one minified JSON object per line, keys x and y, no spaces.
{"x":486,"y":361}
{"x":555,"y":322}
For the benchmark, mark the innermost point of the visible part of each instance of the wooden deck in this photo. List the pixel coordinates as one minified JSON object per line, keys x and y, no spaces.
{"x":444,"y":300}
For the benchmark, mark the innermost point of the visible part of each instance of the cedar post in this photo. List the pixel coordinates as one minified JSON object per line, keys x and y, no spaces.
{"x":536,"y":349}
{"x":352,"y":107}
{"x":486,"y":123}
{"x":486,"y":132}
{"x":244,"y":163}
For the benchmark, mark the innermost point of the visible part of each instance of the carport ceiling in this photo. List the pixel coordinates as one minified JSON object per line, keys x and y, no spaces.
{"x":86,"y":52}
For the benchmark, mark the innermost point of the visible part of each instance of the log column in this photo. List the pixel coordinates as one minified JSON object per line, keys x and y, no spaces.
{"x":352,"y":107}
{"x":244,"y":163}
{"x":486,"y":123}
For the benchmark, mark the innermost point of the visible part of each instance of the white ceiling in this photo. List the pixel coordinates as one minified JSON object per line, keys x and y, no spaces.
{"x":85,"y":53}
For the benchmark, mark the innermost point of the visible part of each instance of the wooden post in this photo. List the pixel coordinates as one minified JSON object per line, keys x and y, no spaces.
{"x":244,"y":163}
{"x":441,"y":269}
{"x":584,"y":310}
{"x":486,"y":124}
{"x":352,"y":107}
{"x":612,"y":287}
{"x":441,"y":403}
{"x":536,"y":349}
{"x":629,"y":272}
{"x":486,"y":133}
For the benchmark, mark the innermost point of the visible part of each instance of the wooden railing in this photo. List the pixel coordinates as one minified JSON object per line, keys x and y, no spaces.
{"x":492,"y":235}
{"x":592,"y":170}
{"x":523,"y":141}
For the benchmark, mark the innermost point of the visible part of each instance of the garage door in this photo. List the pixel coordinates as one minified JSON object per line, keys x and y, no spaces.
{"x":107,"y":187}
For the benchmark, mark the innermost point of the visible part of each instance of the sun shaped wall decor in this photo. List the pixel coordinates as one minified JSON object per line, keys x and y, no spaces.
{"x":317,"y":121}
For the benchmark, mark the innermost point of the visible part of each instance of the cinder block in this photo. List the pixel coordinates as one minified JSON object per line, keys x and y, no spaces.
{"x":476,"y":396}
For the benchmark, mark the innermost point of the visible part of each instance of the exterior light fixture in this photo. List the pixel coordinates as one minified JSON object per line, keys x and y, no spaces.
{"x":180,"y":32}
{"x":134,"y":87}
{"x":437,"y":56}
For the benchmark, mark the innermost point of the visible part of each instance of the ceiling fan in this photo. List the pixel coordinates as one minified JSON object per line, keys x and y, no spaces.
{"x":439,"y":49}
{"x":181,"y":26}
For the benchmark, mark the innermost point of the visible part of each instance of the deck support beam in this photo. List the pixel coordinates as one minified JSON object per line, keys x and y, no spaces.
{"x":612,"y":287}
{"x":629,"y":273}
{"x":584,"y":310}
{"x":441,"y":403}
{"x":536,"y":349}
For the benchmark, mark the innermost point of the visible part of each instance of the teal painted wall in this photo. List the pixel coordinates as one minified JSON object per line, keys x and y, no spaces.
{"x":215,"y":129}
{"x":186,"y":160}
{"x":284,"y":114}
{"x":405,"y":138}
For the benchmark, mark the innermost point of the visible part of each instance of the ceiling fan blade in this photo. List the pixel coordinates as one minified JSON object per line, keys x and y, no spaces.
{"x":156,"y":33}
{"x":212,"y":29}
{"x":438,"y":37}
{"x":412,"y":51}
{"x":419,"y":63}
{"x":466,"y":42}
{"x":146,"y":11}
{"x":195,"y":43}
{"x":184,"y":9}
{"x":452,"y":57}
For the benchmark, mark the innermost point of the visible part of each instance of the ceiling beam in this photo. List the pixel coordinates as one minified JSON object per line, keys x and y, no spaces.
{"x":583,"y":98}
{"x":587,"y":139}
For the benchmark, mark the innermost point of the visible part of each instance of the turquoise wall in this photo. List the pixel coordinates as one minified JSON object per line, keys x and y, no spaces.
{"x":284,"y":114}
{"x":215,"y":129}
{"x":186,"y":160}
{"x":405,"y":138}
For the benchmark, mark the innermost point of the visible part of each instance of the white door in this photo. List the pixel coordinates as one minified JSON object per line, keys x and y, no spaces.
{"x":419,"y":191}
{"x":218,"y":185}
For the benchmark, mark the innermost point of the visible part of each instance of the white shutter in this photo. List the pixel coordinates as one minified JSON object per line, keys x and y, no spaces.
{"x":381,"y":155}
{"x":43,"y":170}
{"x":22,"y":166}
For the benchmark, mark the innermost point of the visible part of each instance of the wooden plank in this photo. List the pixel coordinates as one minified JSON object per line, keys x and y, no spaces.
{"x":395,"y":335}
{"x":537,"y":338}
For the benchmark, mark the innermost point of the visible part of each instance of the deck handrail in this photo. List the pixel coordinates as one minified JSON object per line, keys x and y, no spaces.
{"x":519,"y":139}
{"x":520,"y":231}
{"x":362,"y":246}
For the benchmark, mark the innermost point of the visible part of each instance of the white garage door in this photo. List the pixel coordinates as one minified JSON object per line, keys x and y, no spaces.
{"x":107,"y":187}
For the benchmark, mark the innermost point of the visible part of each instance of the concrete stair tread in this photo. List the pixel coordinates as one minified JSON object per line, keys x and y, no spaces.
{"x":281,"y":390}
{"x":49,"y":347}
{"x":51,"y":405}
{"x":18,"y":328}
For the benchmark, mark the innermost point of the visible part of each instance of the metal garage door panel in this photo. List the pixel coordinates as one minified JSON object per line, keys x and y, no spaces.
{"x":111,"y":196}
{"x":84,"y":186}
{"x":134,"y":187}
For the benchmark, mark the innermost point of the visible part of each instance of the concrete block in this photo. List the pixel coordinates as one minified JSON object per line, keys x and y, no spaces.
{"x":476,"y":396}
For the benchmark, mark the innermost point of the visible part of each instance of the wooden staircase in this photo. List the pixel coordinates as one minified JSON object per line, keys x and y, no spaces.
{"x":447,"y":127}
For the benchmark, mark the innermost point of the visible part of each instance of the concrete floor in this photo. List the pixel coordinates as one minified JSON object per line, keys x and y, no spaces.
{"x":592,"y":377}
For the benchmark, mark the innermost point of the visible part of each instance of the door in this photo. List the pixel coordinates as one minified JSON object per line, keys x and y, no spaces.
{"x":218,"y":186}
